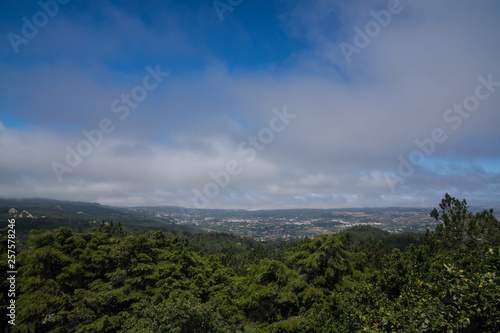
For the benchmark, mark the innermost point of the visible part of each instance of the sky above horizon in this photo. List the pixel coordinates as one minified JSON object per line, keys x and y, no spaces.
{"x":251,"y":104}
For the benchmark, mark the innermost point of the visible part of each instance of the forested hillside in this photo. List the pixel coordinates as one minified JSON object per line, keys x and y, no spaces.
{"x":361,"y":280}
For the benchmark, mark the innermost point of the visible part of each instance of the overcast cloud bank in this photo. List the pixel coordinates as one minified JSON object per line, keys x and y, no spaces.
{"x":354,"y":119}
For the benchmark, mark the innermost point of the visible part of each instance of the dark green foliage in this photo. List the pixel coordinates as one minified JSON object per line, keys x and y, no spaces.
{"x":179,"y":313}
{"x":361,"y":280}
{"x":366,"y":233}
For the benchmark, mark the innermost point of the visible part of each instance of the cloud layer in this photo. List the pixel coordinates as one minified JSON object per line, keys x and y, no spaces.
{"x":350,"y":143}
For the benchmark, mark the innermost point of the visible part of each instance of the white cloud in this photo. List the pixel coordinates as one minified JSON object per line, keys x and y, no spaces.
{"x":350,"y":127}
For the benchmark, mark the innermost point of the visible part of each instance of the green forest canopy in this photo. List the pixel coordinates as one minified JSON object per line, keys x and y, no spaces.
{"x":363,"y":280}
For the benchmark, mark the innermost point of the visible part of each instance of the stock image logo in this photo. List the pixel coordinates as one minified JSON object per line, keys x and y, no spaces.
{"x":453,"y":117}
{"x":30,"y":28}
{"x":120,"y":106}
{"x":250,"y":166}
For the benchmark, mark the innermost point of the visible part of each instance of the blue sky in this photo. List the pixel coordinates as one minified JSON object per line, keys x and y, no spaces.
{"x":281,"y":104}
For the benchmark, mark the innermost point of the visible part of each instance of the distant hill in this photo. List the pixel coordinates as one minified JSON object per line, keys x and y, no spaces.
{"x":44,"y":214}
{"x":262,"y":225}
{"x":400,"y":241}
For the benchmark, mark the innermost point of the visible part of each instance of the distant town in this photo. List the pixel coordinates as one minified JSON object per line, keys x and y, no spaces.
{"x":261,"y":225}
{"x":269,"y":225}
